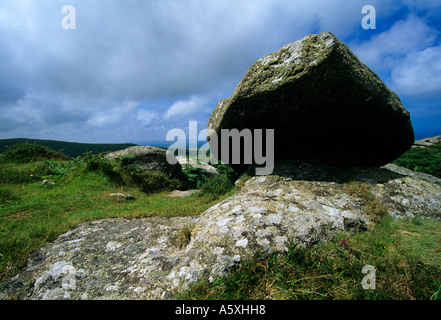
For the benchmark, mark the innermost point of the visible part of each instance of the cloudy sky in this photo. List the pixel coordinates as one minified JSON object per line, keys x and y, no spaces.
{"x":132,"y":70}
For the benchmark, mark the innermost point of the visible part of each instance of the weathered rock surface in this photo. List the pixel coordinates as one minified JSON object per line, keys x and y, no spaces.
{"x":147,"y":159}
{"x":141,"y":259}
{"x":322,"y":102}
{"x":106,"y":259}
{"x":408,"y":172}
{"x":427,"y":142}
{"x":181,"y":193}
{"x":206,"y":168}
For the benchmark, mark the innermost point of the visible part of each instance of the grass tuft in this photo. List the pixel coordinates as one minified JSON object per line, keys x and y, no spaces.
{"x":373,"y":206}
{"x":184,"y":236}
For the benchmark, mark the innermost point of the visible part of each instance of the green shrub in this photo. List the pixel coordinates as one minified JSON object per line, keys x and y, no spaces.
{"x":228,"y":171}
{"x":11,"y":173}
{"x":124,"y":173}
{"x":217,"y":185}
{"x":49,"y":168}
{"x":90,"y":162}
{"x":220,"y":184}
{"x":195,"y":177}
{"x":26,"y":153}
{"x":149,"y":181}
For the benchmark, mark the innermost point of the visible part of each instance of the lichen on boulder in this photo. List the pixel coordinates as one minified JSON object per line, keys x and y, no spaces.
{"x":322,"y":102}
{"x":147,"y":158}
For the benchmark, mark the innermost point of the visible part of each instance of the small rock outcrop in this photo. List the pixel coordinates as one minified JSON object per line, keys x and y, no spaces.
{"x":147,"y":159}
{"x":121,"y":196}
{"x":182,"y":193}
{"x":48,"y":182}
{"x":322,"y":102}
{"x":206,"y":168}
{"x":427,"y":142}
{"x":301,"y":202}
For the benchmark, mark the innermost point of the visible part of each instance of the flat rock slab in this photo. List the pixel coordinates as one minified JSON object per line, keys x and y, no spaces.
{"x":427,"y":142}
{"x":110,"y":259}
{"x":144,"y":259}
{"x":182,"y":193}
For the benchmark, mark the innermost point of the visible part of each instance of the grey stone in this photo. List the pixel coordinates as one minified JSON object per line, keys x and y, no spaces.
{"x":411,"y":173}
{"x":206,"y":168}
{"x":147,"y":158}
{"x":322,"y":102}
{"x":181,"y":194}
{"x":427,"y":142}
{"x":301,"y":202}
{"x":120,"y":196}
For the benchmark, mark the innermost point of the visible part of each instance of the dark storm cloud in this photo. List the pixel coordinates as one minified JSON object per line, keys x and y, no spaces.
{"x":133,"y":68}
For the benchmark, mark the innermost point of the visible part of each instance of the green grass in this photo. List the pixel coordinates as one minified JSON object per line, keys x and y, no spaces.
{"x":33,"y":214}
{"x":426,"y":160}
{"x":407,"y":267}
{"x":405,"y":253}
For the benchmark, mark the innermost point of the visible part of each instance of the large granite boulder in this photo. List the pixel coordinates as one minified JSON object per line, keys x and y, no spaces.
{"x":148,"y":158}
{"x":322,"y":102}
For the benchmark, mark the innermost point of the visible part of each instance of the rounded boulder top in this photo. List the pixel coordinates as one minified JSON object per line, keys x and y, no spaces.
{"x":149,"y":159}
{"x":322,"y":102}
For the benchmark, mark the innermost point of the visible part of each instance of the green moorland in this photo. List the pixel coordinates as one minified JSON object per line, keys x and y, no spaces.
{"x":426,"y":160}
{"x":33,"y":214}
{"x":72,"y":149}
{"x":405,"y":253}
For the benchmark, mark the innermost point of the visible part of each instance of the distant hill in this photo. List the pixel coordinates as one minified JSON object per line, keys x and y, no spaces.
{"x":72,"y":149}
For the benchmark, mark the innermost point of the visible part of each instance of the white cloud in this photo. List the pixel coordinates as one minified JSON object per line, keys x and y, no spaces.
{"x":419,"y":74}
{"x":422,"y":5}
{"x":87,"y":82}
{"x":408,"y":56}
{"x":146,"y":117}
{"x":409,"y":35}
{"x":195,"y":104}
{"x":117,"y":114}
